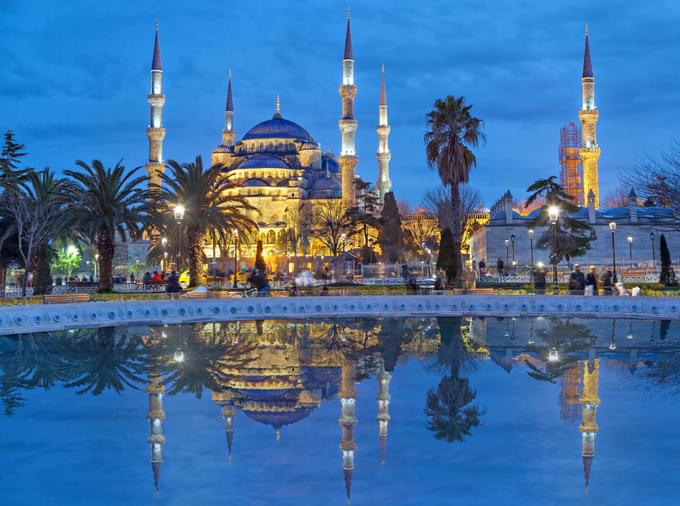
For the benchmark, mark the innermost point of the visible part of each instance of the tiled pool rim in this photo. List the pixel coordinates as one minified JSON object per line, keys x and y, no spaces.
{"x":40,"y":318}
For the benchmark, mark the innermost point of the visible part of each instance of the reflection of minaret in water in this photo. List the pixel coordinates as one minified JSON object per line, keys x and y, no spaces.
{"x":156,"y":416}
{"x":347,"y":422}
{"x":590,"y":400}
{"x":384,"y":378}
{"x":570,"y":393}
{"x":228,"y":415}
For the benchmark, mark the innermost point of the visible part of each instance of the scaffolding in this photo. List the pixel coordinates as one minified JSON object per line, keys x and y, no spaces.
{"x":571,"y":173}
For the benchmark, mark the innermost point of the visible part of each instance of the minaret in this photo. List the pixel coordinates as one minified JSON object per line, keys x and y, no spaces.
{"x":228,"y":415}
{"x":588,"y":115}
{"x":384,"y":378}
{"x":590,"y":400}
{"x":384,"y":184}
{"x":156,"y":415}
{"x":156,"y":132}
{"x":348,"y":125}
{"x":347,"y":422}
{"x":228,"y":134}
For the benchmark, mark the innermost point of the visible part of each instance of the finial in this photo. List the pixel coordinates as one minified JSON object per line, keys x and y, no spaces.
{"x":587,"y":31}
{"x":278,"y":436}
{"x":156,"y":24}
{"x":278,"y":104}
{"x":349,"y":12}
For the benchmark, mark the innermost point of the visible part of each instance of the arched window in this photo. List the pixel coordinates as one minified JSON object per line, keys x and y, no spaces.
{"x":271,"y":237}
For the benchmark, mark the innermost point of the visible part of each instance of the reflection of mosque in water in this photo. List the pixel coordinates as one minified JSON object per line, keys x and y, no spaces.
{"x":285,"y":370}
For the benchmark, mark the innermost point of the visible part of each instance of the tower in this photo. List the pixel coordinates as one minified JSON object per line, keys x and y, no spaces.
{"x":588,"y":115}
{"x":347,"y":124}
{"x":384,"y":378}
{"x":155,"y":132}
{"x":589,"y":400}
{"x":228,"y":134}
{"x":155,"y":389}
{"x":347,"y":422}
{"x":570,"y":162}
{"x":383,"y":155}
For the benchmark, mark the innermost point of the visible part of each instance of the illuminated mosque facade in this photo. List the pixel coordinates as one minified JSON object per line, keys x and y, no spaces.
{"x":277,"y":166}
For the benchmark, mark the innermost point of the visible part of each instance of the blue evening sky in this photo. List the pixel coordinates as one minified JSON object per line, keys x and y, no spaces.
{"x":75,"y":76}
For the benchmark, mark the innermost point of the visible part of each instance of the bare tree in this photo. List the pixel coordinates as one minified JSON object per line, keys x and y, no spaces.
{"x":438,"y":201}
{"x":331,"y":223}
{"x":33,"y":221}
{"x":657,"y":179}
{"x":618,"y":197}
{"x":298,"y":227}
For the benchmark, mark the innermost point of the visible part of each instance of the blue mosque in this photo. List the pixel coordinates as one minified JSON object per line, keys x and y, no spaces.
{"x":277,"y":166}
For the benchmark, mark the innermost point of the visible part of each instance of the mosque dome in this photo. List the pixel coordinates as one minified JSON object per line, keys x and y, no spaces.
{"x":256,"y":182}
{"x":278,"y":419}
{"x":278,"y":128}
{"x":325,"y":184}
{"x":264,"y":162}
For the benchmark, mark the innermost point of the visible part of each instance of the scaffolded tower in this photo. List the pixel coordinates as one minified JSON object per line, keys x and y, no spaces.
{"x":570,"y":161}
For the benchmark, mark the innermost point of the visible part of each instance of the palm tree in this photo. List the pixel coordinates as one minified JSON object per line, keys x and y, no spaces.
{"x":103,"y":202}
{"x":209,"y":209}
{"x":43,"y":186}
{"x":452,"y":132}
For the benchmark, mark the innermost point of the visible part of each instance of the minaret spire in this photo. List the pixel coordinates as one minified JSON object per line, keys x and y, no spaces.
{"x":228,"y":134}
{"x":384,"y":378}
{"x":156,"y":415}
{"x":348,"y":124}
{"x":590,"y":400}
{"x":383,"y":155}
{"x":588,"y":115}
{"x":347,"y":422}
{"x":155,"y":132}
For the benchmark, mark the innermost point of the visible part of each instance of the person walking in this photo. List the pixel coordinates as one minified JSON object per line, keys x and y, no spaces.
{"x":500,"y":267}
{"x":577,"y":281}
{"x":172,"y":287}
{"x":591,"y":281}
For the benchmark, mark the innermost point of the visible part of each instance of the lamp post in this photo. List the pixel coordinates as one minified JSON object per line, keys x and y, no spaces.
{"x":530,"y":233}
{"x":178,"y":212}
{"x":651,"y":238}
{"x":96,"y":265}
{"x":235,"y":255}
{"x":630,"y":249}
{"x":164,"y":243}
{"x":507,"y":252}
{"x":514,"y":263}
{"x":612,"y":229}
{"x":554,"y":215}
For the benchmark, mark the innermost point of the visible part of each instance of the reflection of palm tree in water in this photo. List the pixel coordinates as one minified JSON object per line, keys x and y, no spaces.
{"x":450,"y":414}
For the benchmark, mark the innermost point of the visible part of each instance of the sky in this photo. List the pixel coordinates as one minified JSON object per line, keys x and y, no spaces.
{"x":75,"y":75}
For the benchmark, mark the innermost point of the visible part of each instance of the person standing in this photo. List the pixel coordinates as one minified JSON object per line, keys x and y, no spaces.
{"x":606,"y":282}
{"x":591,"y":281}
{"x":500,"y":267}
{"x":577,"y":281}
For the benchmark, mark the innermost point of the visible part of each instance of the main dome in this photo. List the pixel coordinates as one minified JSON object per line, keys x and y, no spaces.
{"x":278,"y":128}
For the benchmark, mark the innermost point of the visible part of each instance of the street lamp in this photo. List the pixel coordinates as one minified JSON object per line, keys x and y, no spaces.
{"x":178,"y":212}
{"x":530,"y":233}
{"x":164,"y":243}
{"x":235,"y":255}
{"x":612,"y":228}
{"x":554,"y":215}
{"x":630,"y":249}
{"x":96,"y":265}
{"x":651,"y":238}
{"x":512,"y":241}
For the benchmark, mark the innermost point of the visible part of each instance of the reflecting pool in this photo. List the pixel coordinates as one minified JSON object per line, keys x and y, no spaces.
{"x":413,"y":411}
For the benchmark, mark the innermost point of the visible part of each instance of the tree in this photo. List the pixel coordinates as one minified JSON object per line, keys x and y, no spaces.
{"x":10,"y":160}
{"x":103,"y":202}
{"x":657,"y":179}
{"x":667,"y":276}
{"x":67,"y":259}
{"x":364,"y":222}
{"x":32,"y":222}
{"x":390,"y":229}
{"x":447,"y":260}
{"x":451,"y":135}
{"x":209,"y":207}
{"x":438,"y":202}
{"x":421,"y":232}
{"x":259,"y":259}
{"x":298,"y":227}
{"x":618,"y":197}
{"x":331,"y":225}
{"x":573,"y":236}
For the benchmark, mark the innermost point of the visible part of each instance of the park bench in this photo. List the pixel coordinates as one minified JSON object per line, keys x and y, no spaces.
{"x":483,"y":291}
{"x":66,"y":298}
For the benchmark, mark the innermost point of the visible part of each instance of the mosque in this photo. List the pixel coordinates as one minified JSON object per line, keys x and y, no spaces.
{"x":278,"y":167}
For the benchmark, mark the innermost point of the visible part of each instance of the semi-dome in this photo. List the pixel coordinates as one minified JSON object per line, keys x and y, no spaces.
{"x":326,"y":183}
{"x":278,"y":128}
{"x":264,"y":162}
{"x":256,"y":182}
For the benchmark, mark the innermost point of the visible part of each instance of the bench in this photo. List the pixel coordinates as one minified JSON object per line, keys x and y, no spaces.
{"x":66,"y":298}
{"x":483,"y":291}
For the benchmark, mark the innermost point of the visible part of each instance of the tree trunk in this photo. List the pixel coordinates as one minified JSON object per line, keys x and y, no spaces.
{"x":195,"y":252}
{"x":42,"y":277}
{"x":456,"y":230}
{"x":106,"y":249}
